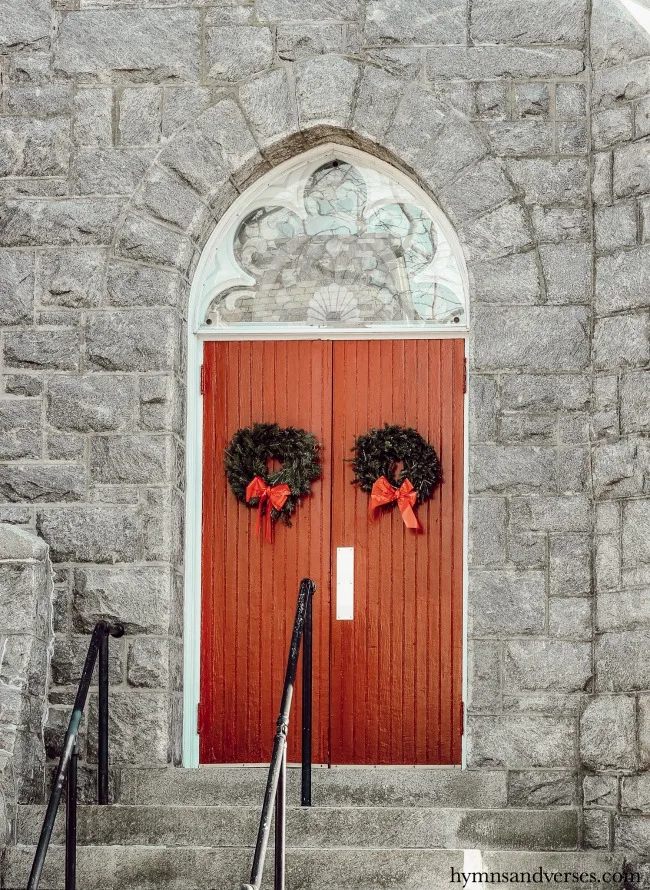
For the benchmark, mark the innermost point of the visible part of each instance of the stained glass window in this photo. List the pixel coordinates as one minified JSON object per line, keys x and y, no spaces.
{"x":336,"y":244}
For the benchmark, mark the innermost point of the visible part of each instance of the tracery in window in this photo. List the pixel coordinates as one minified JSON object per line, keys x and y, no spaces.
{"x":336,"y":244}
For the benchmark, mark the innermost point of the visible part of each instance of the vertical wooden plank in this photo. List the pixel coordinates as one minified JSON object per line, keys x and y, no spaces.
{"x":249,"y":586}
{"x":407,"y":643}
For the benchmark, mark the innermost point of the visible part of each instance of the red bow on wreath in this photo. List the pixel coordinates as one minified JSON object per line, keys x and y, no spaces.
{"x":406,"y":496}
{"x":276,"y":495}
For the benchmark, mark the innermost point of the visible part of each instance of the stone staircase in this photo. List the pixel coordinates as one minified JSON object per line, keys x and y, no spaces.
{"x":369,"y":828}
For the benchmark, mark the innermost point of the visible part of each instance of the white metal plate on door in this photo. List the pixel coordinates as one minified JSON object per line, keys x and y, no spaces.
{"x":344,"y":583}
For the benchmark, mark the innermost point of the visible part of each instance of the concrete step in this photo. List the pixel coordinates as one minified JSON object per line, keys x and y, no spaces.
{"x":166,"y":868}
{"x":339,"y":787}
{"x":319,"y":827}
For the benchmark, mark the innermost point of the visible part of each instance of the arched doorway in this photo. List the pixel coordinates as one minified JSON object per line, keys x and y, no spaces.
{"x":331,"y":297}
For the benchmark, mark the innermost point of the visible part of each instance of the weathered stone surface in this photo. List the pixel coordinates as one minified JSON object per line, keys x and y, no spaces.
{"x":484,"y":676}
{"x":570,"y":618}
{"x":550,"y":665}
{"x":516,"y":21}
{"x":167,"y":200}
{"x":32,"y":147}
{"x":607,"y":733}
{"x":417,"y":121}
{"x":614,"y":469}
{"x":42,"y":349}
{"x":629,"y":81}
{"x":600,"y":791}
{"x":148,"y":663}
{"x":532,"y":100}
{"x":567,"y":270}
{"x":145,"y":241}
{"x":71,"y":277}
{"x":521,"y":741}
{"x":570,"y":566}
{"x":622,"y":610}
{"x":229,"y":135}
{"x":621,"y":280}
{"x":53,"y":223}
{"x":294,"y":42}
{"x":635,"y":401}
{"x":555,"y":224}
{"x":516,"y":469}
{"x":480,"y":189}
{"x":487,"y":519}
{"x":554,"y":514}
{"x":531,"y":339}
{"x":25,"y":27}
{"x":100,"y":171}
{"x":182,"y":105}
{"x":483,"y":409}
{"x":622,"y":341}
{"x":498,"y":61}
{"x":93,"y":116}
{"x":233,"y":52}
{"x":307,"y":10}
{"x":138,"y":728}
{"x":23,"y":385}
{"x":133,"y":460}
{"x":509,"y":279}
{"x":267,"y":103}
{"x":526,"y":137}
{"x":162,"y":43}
{"x":141,"y":340}
{"x":16,"y":287}
{"x":616,"y":226}
{"x":615,"y":35}
{"x":140,"y":116}
{"x":549,"y":182}
{"x":635,"y":793}
{"x":377,"y":98}
{"x":432,"y":22}
{"x":91,"y":534}
{"x":325,"y":90}
{"x":134,"y":285}
{"x":29,"y":482}
{"x":612,"y":125}
{"x":20,"y":429}
{"x":541,"y":789}
{"x":621,"y":664}
{"x":91,"y":403}
{"x":70,"y":654}
{"x":644,"y":729}
{"x":632,"y":169}
{"x":138,"y":596}
{"x":570,"y":101}
{"x":507,"y":602}
{"x":497,"y":233}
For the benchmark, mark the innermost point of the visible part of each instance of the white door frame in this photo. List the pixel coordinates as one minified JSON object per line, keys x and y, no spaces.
{"x":197,"y":336}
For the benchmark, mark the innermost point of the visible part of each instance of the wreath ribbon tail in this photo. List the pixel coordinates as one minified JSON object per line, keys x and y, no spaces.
{"x":406,"y":500}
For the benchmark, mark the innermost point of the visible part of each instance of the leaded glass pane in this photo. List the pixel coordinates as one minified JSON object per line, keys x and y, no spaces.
{"x":343,"y":245}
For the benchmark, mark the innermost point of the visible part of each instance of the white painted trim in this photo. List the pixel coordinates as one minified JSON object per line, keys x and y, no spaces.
{"x":194,"y":414}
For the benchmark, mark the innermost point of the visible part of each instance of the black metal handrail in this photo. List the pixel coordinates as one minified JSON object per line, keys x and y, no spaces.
{"x":67,"y":768}
{"x":276,"y":784}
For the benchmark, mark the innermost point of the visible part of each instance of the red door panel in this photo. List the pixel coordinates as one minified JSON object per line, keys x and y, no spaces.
{"x":249,"y":587}
{"x":387,"y":685}
{"x":396,"y":669}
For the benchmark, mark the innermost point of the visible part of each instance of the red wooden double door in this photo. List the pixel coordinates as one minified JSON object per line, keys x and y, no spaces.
{"x":388,"y":683}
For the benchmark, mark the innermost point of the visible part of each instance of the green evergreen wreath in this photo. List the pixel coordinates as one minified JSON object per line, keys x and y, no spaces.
{"x":247,"y":455}
{"x":379,"y":451}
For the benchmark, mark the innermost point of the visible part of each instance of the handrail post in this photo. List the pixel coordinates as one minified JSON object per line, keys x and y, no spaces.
{"x":102,"y":729}
{"x":281,"y":824}
{"x":305,"y":785}
{"x":71,"y":823}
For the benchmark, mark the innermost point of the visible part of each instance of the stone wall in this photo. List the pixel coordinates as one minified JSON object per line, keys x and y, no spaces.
{"x":25,"y":649}
{"x":128,"y":127}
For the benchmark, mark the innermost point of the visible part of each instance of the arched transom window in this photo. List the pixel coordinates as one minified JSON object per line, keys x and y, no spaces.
{"x":333,"y":239}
